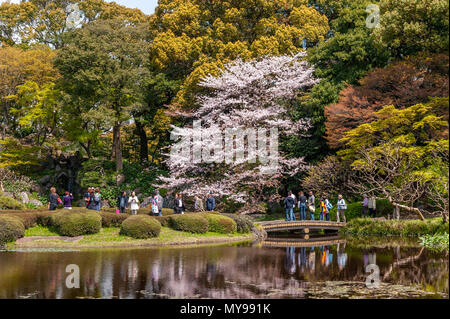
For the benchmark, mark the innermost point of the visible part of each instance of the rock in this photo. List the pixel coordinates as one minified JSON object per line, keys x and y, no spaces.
{"x":7,"y":194}
{"x":24,"y":197}
{"x":45,"y":180}
{"x":105,"y":204}
{"x":35,"y":202}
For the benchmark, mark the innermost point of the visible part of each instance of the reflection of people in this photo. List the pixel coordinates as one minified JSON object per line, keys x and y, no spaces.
{"x":365,"y":258}
{"x":372,"y":258}
{"x":302,"y":262}
{"x":341,"y":256}
{"x":290,"y":265}
{"x":312,"y":260}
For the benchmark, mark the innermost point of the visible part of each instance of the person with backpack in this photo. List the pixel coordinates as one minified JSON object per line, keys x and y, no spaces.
{"x":91,"y":201}
{"x":210,"y":203}
{"x":323,"y":209}
{"x":329,"y":207}
{"x":87,"y":196}
{"x":341,"y":208}
{"x":53,"y":200}
{"x":67,"y":200}
{"x":302,"y":205}
{"x":311,"y":205}
{"x":97,"y":199}
{"x":289,"y":205}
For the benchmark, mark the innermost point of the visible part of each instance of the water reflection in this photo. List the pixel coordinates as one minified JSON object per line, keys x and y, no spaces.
{"x":214,"y":272}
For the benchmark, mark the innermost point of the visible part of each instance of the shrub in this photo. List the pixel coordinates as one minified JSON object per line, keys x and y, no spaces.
{"x":113,"y":219}
{"x":193,"y":223}
{"x":367,"y":226}
{"x":167,"y":211}
{"x":10,"y":203}
{"x":140,"y":227}
{"x":28,"y":219}
{"x":163,"y":220}
{"x":221,"y":224}
{"x":11,"y":228}
{"x":76,"y":223}
{"x":244,"y":223}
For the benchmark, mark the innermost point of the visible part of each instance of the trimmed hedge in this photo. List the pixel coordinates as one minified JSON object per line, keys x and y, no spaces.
{"x":11,"y":228}
{"x":10,"y":203}
{"x":112,"y":219}
{"x":140,"y":227}
{"x":192,"y":223}
{"x":244,"y":223}
{"x":163,"y":220}
{"x":221,"y":224}
{"x":75,"y":223}
{"x":368,"y":226}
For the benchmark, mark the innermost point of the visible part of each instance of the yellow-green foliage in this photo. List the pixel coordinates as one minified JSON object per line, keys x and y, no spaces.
{"x":192,"y":223}
{"x":368,"y":226}
{"x":221,"y":224}
{"x":11,"y":228}
{"x":76,"y":223}
{"x":140,"y":227}
{"x":10,"y":203}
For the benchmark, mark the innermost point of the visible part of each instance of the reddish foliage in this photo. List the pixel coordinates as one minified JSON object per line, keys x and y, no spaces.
{"x":402,"y":84}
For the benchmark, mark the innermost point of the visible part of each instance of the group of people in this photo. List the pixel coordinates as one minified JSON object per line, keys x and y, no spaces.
{"x":54,"y":200}
{"x":93,"y":199}
{"x":369,"y":206}
{"x":156,"y":203}
{"x":309,"y":204}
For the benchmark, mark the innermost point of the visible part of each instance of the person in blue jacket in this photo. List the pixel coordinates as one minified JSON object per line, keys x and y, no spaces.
{"x":210,"y":203}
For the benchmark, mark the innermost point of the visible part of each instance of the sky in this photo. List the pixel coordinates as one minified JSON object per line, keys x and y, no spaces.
{"x":147,"y":6}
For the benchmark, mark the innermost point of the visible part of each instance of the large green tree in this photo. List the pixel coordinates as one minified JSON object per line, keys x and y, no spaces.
{"x":104,"y":75}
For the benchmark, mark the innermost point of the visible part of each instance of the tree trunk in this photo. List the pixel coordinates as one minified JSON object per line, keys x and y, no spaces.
{"x":407,"y":208}
{"x":117,"y":147}
{"x":143,"y":147}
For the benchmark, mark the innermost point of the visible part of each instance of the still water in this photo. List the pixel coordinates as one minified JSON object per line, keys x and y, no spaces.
{"x":264,"y":270}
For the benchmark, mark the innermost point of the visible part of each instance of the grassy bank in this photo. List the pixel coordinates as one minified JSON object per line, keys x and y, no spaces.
{"x":410,"y":228}
{"x":110,"y":238}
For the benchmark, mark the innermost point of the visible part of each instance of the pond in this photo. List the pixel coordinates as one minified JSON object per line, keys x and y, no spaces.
{"x":278,"y":268}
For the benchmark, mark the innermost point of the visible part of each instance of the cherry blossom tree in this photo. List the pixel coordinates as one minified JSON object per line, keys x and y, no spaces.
{"x":226,"y":151}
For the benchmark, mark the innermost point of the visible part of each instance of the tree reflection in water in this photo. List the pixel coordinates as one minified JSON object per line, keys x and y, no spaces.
{"x":215,"y":272}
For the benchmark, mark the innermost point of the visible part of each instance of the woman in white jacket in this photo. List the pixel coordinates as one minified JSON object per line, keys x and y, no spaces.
{"x":134,"y":203}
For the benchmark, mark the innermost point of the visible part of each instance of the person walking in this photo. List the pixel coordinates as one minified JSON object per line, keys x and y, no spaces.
{"x":160,"y":202}
{"x":122,"y":202}
{"x":91,"y":201}
{"x":198,"y":204}
{"x":302,"y":205}
{"x":97,"y":199}
{"x":311,"y":205}
{"x":134,"y":203}
{"x":53,"y":199}
{"x":67,"y":200}
{"x":289,"y":204}
{"x":341,"y":208}
{"x":210,"y":203}
{"x":372,"y":205}
{"x":365,"y":204}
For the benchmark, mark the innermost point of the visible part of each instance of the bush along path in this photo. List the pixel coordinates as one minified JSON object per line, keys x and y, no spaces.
{"x":81,"y":228}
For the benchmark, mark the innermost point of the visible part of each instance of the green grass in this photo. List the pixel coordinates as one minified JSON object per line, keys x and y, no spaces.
{"x":40,"y":231}
{"x":110,"y":237}
{"x":437,"y":242}
{"x":413,"y":228}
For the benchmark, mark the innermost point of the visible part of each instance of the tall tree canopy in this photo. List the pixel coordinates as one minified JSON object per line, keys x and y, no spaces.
{"x":403,"y":83}
{"x":44,"y":21}
{"x":104,"y":76}
{"x":195,"y":38}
